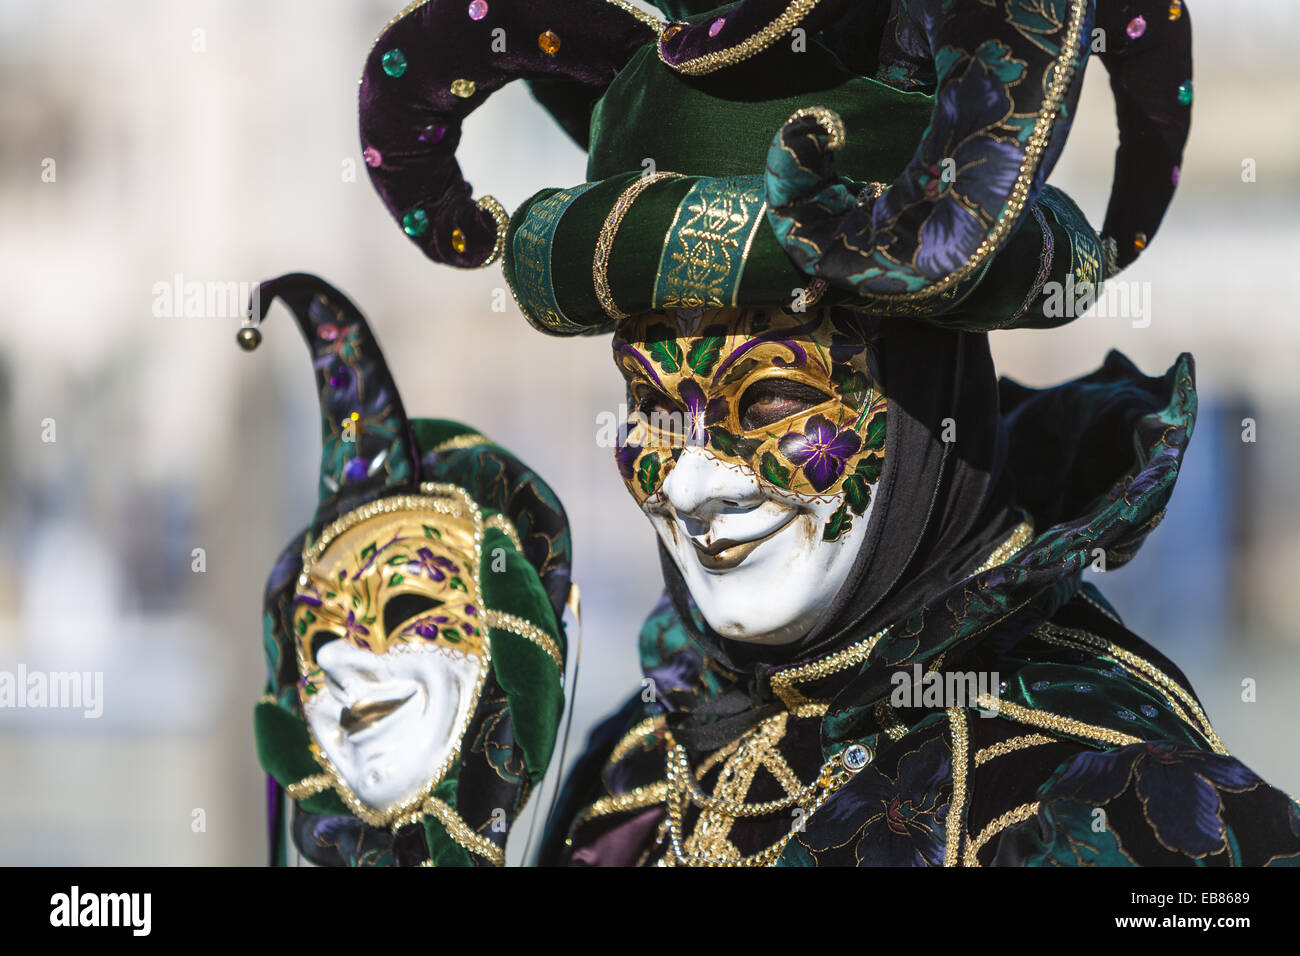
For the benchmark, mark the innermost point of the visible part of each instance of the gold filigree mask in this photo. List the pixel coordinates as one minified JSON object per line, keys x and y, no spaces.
{"x":392,"y":647}
{"x":392,"y":581}
{"x":788,"y":397}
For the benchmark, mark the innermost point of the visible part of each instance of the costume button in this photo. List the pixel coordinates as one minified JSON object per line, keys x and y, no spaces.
{"x":855,"y":757}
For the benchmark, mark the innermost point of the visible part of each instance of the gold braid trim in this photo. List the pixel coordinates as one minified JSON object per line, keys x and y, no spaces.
{"x":1020,"y":536}
{"x":633,"y":738}
{"x":830,"y":121}
{"x":784,"y":681}
{"x":605,"y":241}
{"x":503,"y":524}
{"x":1019,"y":815}
{"x":1049,"y":721}
{"x":456,"y":443}
{"x":1062,"y":73}
{"x":502,"y":219}
{"x":1145,"y":671}
{"x":459,"y":831}
{"x":956,"y":824}
{"x":652,"y":22}
{"x":307,"y":786}
{"x":755,"y":43}
{"x":529,"y":632}
{"x":635,"y":799}
{"x":1003,"y":747}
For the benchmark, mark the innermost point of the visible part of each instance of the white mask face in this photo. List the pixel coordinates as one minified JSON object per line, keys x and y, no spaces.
{"x":755,"y":446}
{"x":754,"y":560}
{"x":393,"y":653}
{"x":385,"y":721}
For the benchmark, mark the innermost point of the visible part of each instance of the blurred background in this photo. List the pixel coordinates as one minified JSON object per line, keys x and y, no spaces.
{"x":148,"y":140}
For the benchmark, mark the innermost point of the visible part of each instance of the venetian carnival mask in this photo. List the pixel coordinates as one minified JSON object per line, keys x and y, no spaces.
{"x":754,"y":441}
{"x":392,"y":648}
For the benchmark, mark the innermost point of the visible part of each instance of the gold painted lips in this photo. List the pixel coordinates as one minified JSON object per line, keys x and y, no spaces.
{"x":360,"y":716}
{"x":725,"y":554}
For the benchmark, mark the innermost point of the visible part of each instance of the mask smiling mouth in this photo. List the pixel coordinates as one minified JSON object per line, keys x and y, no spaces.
{"x":724,"y":554}
{"x":365,"y":714}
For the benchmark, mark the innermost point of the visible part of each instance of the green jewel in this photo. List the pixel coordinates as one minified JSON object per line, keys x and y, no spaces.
{"x":415,"y":222}
{"x":394,"y":63}
{"x":1185,"y":92}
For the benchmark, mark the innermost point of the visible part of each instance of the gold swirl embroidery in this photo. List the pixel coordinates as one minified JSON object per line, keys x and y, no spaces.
{"x":887,"y":719}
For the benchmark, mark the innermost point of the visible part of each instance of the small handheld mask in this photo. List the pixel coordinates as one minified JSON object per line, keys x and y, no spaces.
{"x":412,"y":632}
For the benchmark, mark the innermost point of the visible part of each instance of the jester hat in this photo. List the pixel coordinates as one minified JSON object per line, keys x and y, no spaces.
{"x":384,"y":471}
{"x":887,"y":155}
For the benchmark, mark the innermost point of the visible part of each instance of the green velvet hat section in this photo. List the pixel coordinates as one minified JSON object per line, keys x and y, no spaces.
{"x":701,"y":240}
{"x":722,"y":124}
{"x":534,"y":686}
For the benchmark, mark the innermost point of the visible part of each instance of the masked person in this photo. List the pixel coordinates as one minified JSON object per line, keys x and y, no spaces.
{"x":876,"y":646}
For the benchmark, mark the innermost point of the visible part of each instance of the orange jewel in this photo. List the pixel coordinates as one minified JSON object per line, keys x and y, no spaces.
{"x":458,"y":240}
{"x":548,"y":43}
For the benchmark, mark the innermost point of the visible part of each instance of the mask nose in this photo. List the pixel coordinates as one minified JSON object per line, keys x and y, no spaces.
{"x":701,"y":487}
{"x":347,"y":665}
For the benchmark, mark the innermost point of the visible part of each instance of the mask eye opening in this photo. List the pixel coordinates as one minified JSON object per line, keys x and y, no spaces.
{"x":403,"y":607}
{"x":771,"y":400}
{"x":318,"y":640}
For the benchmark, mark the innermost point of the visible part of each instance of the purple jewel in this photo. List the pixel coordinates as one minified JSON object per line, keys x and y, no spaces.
{"x":716,"y":26}
{"x":478,"y":9}
{"x":1174,"y":174}
{"x":432,"y":134}
{"x":371,"y":156}
{"x":1136,"y":27}
{"x":339,"y":376}
{"x":356,"y":469}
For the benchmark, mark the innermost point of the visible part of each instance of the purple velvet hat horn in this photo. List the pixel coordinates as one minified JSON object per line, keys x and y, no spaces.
{"x":435,"y":63}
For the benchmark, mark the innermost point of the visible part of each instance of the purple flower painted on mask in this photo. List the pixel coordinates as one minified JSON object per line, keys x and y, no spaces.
{"x":426,"y":563}
{"x":626,"y":456}
{"x":357,"y":631}
{"x":821,"y":451}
